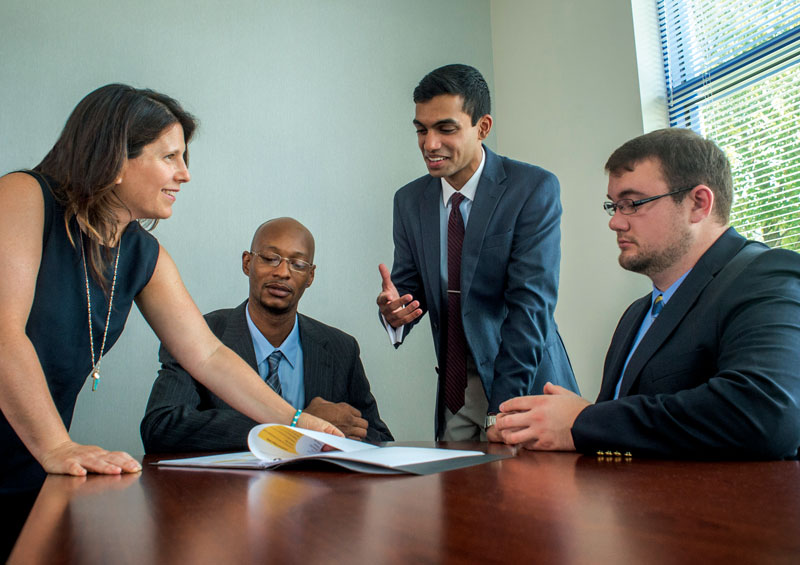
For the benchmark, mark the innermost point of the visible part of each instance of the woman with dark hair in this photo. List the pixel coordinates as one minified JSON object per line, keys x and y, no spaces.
{"x":73,"y":258}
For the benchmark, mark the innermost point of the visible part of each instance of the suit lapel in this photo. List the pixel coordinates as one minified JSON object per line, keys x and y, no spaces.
{"x":317,"y":361}
{"x":237,"y":336}
{"x":704,"y":271}
{"x":621,"y":344}
{"x":490,"y":188}
{"x":429,"y":246}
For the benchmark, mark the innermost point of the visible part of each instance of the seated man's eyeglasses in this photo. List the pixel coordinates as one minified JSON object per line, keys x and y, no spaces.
{"x":273,"y":260}
{"x":627,"y":206}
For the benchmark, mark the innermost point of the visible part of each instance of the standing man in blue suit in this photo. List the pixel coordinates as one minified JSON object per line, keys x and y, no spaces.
{"x":707,"y":365}
{"x":477,"y":246}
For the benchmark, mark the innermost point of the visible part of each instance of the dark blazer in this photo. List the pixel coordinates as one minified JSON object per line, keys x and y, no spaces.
{"x":717,"y":375}
{"x":182,"y":415}
{"x":509,"y":274}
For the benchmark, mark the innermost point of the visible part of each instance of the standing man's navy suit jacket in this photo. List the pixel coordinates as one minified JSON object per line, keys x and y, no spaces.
{"x":717,"y":375}
{"x":183,"y":415}
{"x":509,"y":274}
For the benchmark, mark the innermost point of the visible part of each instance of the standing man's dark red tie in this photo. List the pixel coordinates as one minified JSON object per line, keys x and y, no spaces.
{"x":455,"y":382}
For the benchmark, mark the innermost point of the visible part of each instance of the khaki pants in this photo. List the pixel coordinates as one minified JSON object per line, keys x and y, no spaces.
{"x":467,"y":423}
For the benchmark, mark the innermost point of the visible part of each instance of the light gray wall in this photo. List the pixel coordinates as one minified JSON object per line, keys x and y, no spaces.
{"x":566,"y":96}
{"x":305,"y":111}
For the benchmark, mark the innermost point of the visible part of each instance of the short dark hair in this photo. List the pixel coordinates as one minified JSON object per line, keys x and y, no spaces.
{"x":687,"y":160}
{"x":462,"y":80}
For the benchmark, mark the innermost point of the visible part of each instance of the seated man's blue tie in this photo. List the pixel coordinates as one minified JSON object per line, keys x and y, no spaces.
{"x":272,"y":378}
{"x":658,"y":305}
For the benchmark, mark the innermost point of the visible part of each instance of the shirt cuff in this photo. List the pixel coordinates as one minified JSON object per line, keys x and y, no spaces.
{"x":395,"y":334}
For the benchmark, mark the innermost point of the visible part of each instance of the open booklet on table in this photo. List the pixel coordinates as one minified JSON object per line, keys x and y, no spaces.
{"x":276,"y":445}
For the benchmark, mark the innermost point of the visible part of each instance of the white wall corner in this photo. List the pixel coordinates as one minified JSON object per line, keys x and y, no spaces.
{"x":650,"y":64}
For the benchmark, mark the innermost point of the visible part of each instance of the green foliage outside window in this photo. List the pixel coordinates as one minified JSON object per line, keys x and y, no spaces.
{"x":733,"y":75}
{"x":759,"y":129}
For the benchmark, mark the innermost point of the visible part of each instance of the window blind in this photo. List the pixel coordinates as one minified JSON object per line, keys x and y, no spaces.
{"x":733,"y":75}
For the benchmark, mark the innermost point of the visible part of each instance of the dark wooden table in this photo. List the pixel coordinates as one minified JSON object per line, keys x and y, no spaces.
{"x":536,"y":507}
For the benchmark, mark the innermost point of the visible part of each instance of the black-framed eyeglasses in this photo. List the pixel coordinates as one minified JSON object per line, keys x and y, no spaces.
{"x":273,"y":260}
{"x":627,"y":206}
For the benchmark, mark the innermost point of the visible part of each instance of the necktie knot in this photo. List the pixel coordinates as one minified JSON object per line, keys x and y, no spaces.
{"x":455,"y":200}
{"x":658,"y":305}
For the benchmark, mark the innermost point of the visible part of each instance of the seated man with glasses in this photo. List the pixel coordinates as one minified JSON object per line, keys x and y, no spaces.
{"x":311,"y":365}
{"x":707,"y":366}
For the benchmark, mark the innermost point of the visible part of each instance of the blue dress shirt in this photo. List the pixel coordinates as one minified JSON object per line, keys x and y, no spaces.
{"x":290,"y":369}
{"x":648,"y":321}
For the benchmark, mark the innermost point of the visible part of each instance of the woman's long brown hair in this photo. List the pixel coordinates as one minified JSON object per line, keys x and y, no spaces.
{"x":110,"y":125}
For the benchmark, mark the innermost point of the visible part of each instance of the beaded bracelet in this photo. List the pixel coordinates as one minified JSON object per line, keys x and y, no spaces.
{"x":296,"y":417}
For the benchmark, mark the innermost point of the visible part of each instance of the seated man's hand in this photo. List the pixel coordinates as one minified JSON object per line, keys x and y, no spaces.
{"x":542,"y":422}
{"x":341,"y":415}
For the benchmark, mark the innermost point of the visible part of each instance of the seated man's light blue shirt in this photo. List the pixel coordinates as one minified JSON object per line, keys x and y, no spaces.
{"x":290,"y":369}
{"x":648,"y":321}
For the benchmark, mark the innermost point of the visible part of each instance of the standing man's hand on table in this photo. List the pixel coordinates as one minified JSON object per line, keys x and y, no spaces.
{"x":345,"y":417}
{"x":494,"y":434}
{"x":396,"y":310}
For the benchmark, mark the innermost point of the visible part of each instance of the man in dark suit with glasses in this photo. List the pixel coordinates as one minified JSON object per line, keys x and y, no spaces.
{"x":311,"y":365}
{"x":706,"y":365}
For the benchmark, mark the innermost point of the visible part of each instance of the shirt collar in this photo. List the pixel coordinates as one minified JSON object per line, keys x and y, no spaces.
{"x":470,"y":187}
{"x":263,"y":348}
{"x":667,"y":294}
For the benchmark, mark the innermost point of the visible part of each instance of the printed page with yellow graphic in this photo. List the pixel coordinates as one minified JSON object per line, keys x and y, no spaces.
{"x":276,"y":442}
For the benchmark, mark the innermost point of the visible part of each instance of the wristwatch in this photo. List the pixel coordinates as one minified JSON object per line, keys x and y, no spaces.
{"x":491,"y":420}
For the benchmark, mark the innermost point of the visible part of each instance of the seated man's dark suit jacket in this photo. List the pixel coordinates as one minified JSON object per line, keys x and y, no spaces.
{"x":182,"y":415}
{"x":509,"y":274}
{"x":717,"y":376}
